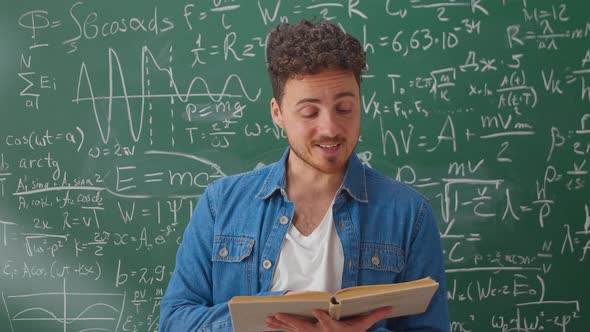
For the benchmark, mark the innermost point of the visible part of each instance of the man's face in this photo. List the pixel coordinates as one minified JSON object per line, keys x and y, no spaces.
{"x":320,"y":114}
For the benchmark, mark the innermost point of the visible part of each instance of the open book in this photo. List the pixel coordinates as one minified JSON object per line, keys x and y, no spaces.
{"x":248,"y":313}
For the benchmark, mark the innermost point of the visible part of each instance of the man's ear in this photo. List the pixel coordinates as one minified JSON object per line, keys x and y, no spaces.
{"x":275,"y":112}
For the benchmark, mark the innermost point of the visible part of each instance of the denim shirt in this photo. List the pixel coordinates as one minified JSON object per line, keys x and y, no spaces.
{"x":235,"y":234}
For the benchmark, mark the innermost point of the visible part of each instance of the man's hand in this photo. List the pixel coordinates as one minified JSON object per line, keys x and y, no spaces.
{"x":325,"y":323}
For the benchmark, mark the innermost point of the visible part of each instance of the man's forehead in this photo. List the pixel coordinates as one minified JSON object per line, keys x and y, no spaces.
{"x":324,"y":73}
{"x":326,"y":80}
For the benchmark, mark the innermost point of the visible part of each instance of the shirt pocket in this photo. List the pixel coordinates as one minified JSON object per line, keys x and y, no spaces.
{"x":231,"y":249}
{"x":231,"y":267}
{"x":380,"y":263}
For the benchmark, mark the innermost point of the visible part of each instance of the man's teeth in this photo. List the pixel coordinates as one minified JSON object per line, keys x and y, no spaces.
{"x":328,"y":146}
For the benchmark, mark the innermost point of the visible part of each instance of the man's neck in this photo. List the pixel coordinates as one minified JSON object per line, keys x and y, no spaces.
{"x":305,"y":181}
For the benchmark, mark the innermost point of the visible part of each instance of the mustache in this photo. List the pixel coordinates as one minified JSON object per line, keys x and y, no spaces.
{"x":330,"y":140}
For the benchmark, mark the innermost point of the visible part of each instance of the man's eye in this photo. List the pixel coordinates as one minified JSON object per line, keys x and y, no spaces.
{"x":309,"y":115}
{"x":308,"y":111}
{"x":343,"y":110}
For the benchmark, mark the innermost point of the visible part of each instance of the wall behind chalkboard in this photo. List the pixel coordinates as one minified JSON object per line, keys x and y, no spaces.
{"x":115,"y":115}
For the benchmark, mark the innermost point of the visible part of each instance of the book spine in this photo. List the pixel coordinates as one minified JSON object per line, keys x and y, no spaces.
{"x":334,"y":310}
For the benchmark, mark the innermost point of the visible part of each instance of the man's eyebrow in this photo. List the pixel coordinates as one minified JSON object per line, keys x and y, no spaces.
{"x":345,"y":94}
{"x":315,"y":100}
{"x":307,"y":100}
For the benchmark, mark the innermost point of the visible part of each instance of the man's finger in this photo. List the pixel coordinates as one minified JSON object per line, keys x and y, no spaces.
{"x":273,"y":323}
{"x":323,"y":318}
{"x":277,"y":324}
{"x":294,"y":322}
{"x":375,"y":315}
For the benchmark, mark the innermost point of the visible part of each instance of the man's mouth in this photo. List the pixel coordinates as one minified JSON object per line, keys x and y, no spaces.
{"x":328,"y":146}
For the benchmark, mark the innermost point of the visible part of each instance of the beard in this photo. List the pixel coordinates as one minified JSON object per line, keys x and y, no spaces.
{"x":330,"y":164}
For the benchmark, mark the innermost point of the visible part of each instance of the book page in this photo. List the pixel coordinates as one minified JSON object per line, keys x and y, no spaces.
{"x":251,"y":315}
{"x":368,"y":290}
{"x":406,"y":301}
{"x":305,"y":296}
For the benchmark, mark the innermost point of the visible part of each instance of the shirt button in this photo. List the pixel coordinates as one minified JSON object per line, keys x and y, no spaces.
{"x":342,"y":224}
{"x":284,"y":220}
{"x":267,"y":264}
{"x":375,"y":260}
{"x":223,"y":252}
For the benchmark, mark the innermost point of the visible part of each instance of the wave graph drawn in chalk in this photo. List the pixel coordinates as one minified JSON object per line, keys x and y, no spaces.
{"x":67,"y":311}
{"x":135,"y":117}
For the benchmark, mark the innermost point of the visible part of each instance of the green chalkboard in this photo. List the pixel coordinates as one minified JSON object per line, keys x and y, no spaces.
{"x":115,"y":115}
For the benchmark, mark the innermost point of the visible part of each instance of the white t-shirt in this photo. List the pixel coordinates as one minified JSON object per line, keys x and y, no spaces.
{"x":310,"y":263}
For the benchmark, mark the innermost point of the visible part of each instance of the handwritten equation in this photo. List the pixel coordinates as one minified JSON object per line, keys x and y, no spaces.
{"x":116,"y":117}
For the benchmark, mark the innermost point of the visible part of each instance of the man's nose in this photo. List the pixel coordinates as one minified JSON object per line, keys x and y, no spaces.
{"x":328,"y":125}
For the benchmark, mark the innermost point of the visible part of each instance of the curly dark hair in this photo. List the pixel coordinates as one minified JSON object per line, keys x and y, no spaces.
{"x":308,"y":48}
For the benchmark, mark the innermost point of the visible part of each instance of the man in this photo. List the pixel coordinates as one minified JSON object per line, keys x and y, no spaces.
{"x":315,"y":220}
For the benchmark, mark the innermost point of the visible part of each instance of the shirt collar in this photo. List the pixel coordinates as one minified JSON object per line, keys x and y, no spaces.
{"x":354,"y":182}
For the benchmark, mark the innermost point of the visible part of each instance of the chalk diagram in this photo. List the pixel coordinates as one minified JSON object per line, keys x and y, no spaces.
{"x":67,"y":311}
